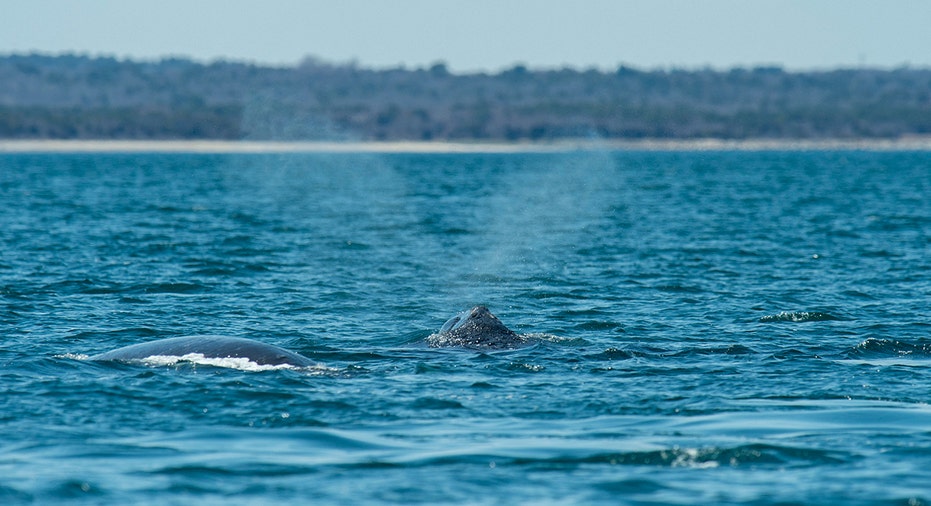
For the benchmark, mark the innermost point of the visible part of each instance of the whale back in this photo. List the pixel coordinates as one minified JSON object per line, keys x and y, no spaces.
{"x":476,"y":328}
{"x":209,"y":347}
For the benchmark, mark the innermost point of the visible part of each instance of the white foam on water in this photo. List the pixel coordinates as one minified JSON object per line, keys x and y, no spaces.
{"x":73,"y":356}
{"x":240,"y":363}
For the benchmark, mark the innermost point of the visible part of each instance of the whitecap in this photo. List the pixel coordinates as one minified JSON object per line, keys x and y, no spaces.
{"x":240,"y":363}
{"x":798,"y":317}
{"x":73,"y":356}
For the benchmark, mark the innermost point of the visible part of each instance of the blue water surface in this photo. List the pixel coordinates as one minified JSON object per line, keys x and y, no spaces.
{"x":707,"y":327}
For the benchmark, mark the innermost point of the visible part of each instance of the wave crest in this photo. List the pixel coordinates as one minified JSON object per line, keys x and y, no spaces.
{"x":798,"y":317}
{"x":883,"y":348}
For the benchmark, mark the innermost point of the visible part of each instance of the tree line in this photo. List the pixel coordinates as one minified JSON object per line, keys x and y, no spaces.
{"x":81,"y":97}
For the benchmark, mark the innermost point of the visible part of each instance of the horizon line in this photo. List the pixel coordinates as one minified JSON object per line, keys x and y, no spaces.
{"x":116,"y":146}
{"x":311,"y":60}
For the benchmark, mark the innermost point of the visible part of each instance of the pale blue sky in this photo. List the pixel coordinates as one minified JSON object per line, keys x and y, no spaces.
{"x":486,"y":35}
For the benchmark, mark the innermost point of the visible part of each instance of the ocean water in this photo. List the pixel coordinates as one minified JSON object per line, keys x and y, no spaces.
{"x":706,"y":327}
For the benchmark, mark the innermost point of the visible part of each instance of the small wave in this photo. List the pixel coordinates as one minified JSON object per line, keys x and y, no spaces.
{"x":611,"y":354}
{"x":734,"y":349}
{"x":888,"y":348}
{"x":129,"y":333}
{"x":629,"y":352}
{"x":172,"y":288}
{"x":434,"y":403}
{"x":678,"y":288}
{"x":73,"y":356}
{"x":552,"y":338}
{"x":798,"y":317}
{"x":755,"y":455}
{"x":752,"y":454}
{"x":525,"y":367}
{"x":599,"y":326}
{"x":225,"y":269}
{"x":89,"y":287}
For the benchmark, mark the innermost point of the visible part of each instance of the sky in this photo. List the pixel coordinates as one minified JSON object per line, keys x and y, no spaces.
{"x":483,"y":35}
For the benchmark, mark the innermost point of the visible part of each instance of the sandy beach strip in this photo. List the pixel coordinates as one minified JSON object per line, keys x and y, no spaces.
{"x":271,"y":147}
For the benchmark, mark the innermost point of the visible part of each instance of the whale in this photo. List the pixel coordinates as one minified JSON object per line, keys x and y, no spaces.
{"x":208,"y":347}
{"x":476,"y":328}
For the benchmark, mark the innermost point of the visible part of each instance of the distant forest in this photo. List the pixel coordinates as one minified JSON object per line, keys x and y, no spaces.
{"x":79,"y":97}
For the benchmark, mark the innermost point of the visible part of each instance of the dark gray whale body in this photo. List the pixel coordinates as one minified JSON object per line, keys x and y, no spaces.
{"x":476,"y":328}
{"x":209,"y":347}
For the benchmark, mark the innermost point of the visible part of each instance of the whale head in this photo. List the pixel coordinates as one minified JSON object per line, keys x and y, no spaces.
{"x":476,"y":328}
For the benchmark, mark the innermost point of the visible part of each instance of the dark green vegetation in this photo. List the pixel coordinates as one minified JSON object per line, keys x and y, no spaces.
{"x":77,"y":97}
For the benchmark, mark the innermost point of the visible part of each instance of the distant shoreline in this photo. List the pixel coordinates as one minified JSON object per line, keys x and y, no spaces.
{"x":271,"y":147}
{"x":79,"y":97}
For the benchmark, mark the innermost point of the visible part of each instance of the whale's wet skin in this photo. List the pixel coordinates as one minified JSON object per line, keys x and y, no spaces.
{"x":208,"y":347}
{"x":476,"y":328}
